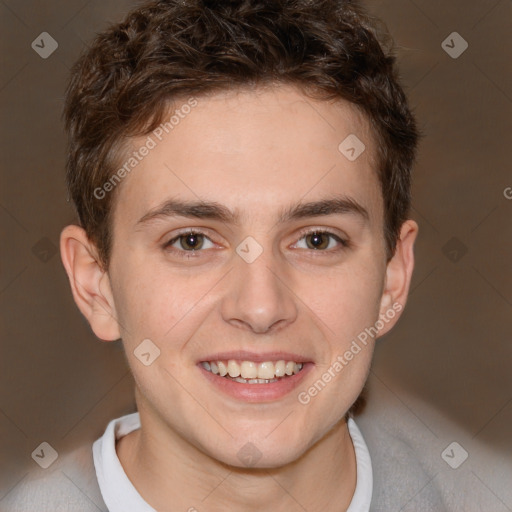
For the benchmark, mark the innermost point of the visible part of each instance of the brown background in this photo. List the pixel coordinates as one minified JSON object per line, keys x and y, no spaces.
{"x":448,"y":362}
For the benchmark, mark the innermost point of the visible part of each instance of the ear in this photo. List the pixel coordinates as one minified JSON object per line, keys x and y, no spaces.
{"x":90,"y":284}
{"x":398,"y":278}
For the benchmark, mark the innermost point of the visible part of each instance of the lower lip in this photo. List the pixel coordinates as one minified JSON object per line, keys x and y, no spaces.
{"x":257,"y":392}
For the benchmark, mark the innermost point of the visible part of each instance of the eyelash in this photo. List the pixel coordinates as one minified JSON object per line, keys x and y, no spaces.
{"x":345,"y":244}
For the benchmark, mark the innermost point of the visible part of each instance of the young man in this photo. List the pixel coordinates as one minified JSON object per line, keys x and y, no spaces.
{"x":241,"y":173}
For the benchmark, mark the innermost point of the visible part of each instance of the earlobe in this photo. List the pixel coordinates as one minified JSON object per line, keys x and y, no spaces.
{"x":398,"y":277}
{"x":90,"y":283}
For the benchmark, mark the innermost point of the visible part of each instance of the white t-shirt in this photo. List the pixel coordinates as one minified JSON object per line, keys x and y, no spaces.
{"x":120,"y":495}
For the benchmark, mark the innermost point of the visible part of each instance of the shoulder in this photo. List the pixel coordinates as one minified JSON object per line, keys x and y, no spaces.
{"x":423,"y":461}
{"x":69,"y":483}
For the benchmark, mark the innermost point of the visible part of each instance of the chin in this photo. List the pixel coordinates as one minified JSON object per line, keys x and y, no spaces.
{"x":260,"y":453}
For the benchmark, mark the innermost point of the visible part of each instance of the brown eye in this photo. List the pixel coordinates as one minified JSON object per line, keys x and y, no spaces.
{"x":317,"y":240}
{"x":320,"y":240}
{"x":191,"y":241}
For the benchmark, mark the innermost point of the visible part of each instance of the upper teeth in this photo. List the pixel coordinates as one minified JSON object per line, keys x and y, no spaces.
{"x":251,"y":370}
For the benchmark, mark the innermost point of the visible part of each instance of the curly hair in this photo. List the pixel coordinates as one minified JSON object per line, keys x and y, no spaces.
{"x":124,"y":83}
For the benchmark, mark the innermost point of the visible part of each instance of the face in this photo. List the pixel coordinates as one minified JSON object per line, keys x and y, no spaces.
{"x":246,"y":242}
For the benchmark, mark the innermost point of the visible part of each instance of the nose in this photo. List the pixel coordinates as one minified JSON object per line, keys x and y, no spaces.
{"x":258,"y":296}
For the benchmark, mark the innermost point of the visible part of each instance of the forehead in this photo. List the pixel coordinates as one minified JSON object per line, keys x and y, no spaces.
{"x":253,"y":151}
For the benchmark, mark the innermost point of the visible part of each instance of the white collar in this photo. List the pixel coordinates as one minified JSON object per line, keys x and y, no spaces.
{"x":120,"y":495}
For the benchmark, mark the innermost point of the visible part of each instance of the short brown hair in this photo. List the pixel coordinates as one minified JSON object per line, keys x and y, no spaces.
{"x":125,"y":81}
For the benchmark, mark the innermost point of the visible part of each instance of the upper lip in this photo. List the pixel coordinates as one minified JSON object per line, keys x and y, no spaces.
{"x":257,"y":357}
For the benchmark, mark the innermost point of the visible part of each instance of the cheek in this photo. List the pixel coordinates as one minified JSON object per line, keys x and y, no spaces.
{"x":345,"y":300}
{"x":347,"y":304}
{"x":152,"y":303}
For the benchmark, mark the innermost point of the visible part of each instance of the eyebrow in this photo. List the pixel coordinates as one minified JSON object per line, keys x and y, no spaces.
{"x":216,"y":211}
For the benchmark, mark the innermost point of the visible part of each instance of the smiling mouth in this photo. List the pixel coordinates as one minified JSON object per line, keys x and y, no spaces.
{"x":250,"y":372}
